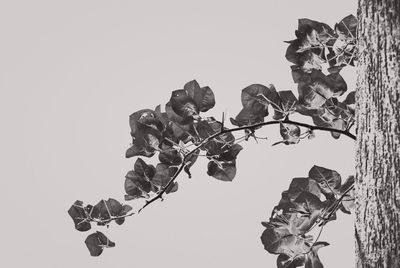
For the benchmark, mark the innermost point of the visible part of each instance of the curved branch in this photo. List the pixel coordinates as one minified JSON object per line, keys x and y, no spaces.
{"x":248,"y":127}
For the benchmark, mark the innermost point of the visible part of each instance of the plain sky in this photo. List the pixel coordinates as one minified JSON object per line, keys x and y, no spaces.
{"x":71,"y":72}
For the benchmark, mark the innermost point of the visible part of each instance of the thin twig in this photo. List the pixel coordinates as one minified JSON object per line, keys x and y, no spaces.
{"x":248,"y":127}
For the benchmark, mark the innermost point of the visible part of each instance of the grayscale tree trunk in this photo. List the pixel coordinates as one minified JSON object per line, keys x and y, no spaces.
{"x":378,"y":135}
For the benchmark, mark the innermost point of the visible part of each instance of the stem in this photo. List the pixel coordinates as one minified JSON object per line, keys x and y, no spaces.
{"x":248,"y":127}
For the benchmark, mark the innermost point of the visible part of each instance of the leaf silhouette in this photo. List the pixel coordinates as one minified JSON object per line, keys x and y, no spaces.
{"x":96,"y":242}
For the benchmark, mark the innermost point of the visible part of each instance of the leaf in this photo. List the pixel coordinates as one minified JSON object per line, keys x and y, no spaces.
{"x":329,"y":180}
{"x":218,"y":145}
{"x":290,"y":133}
{"x":287,"y":104}
{"x":231,"y":153}
{"x":146,"y":133}
{"x":96,"y":242}
{"x":114,"y":207}
{"x":299,"y":185}
{"x":143,"y":169}
{"x":339,"y":124}
{"x":171,"y":115}
{"x":253,"y":100}
{"x":310,"y":208}
{"x":281,"y":241}
{"x":348,"y":204}
{"x":224,"y":171}
{"x":141,"y":118}
{"x":312,"y":259}
{"x":347,"y":27}
{"x":79,"y":216}
{"x":124,"y":211}
{"x":136,"y":185}
{"x":138,"y":149}
{"x":246,"y":117}
{"x":182,"y":104}
{"x":190,"y":162}
{"x":102,"y":211}
{"x":323,"y":31}
{"x":163,"y":175}
{"x":284,"y":261}
{"x":169,"y":155}
{"x":350,"y":98}
{"x":304,"y":55}
{"x":192,"y":100}
{"x":339,"y":85}
{"x":203,"y":97}
{"x":172,"y":188}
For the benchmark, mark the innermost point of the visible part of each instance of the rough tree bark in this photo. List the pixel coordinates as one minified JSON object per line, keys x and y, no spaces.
{"x":378,"y":135}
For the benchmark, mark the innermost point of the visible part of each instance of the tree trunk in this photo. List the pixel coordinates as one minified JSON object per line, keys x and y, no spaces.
{"x":378,"y":135}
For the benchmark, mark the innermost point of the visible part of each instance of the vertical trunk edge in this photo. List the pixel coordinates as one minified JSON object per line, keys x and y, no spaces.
{"x":377,"y":226}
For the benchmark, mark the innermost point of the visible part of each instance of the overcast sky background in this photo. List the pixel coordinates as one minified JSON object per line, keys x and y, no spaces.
{"x":71,"y":72}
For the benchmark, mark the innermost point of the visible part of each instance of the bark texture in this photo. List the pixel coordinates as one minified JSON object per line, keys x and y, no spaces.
{"x":378,"y":135}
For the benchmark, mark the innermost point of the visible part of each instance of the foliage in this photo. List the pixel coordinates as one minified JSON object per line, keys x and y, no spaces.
{"x":179,"y":133}
{"x":309,"y":202}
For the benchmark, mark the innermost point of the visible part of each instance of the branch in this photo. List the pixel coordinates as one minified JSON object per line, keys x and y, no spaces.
{"x":248,"y":127}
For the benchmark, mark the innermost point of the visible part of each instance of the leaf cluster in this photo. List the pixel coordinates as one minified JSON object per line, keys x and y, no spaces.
{"x":316,"y":46}
{"x":309,"y":202}
{"x":176,"y":134}
{"x":103,"y":213}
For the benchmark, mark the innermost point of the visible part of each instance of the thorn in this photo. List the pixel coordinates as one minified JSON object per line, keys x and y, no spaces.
{"x":276,"y":143}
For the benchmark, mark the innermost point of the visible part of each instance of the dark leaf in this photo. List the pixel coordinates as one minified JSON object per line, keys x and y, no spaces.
{"x":143,"y":169}
{"x":141,"y":118}
{"x":137,"y":185}
{"x":299,"y":185}
{"x":329,"y":180}
{"x":231,"y":153}
{"x":338,"y":82}
{"x":347,"y":27}
{"x":339,"y":124}
{"x":79,"y":216}
{"x":96,"y":242}
{"x":172,"y":188}
{"x":224,"y":171}
{"x":182,"y":104}
{"x":350,"y":98}
{"x":103,"y":211}
{"x":123,"y":212}
{"x":138,"y":149}
{"x":309,"y":208}
{"x":290,"y":133}
{"x":203,"y":97}
{"x":348,"y":200}
{"x":247,"y":117}
{"x":323,"y":32}
{"x":190,"y":162}
{"x":287,"y":104}
{"x":312,"y":259}
{"x":281,"y":241}
{"x":284,"y":261}
{"x":162,"y":176}
{"x":254,"y":99}
{"x":171,"y":115}
{"x":169,"y":155}
{"x":218,"y":145}
{"x":304,"y":110}
{"x":192,"y":100}
{"x":114,"y":207}
{"x":140,"y":166}
{"x":301,"y":53}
